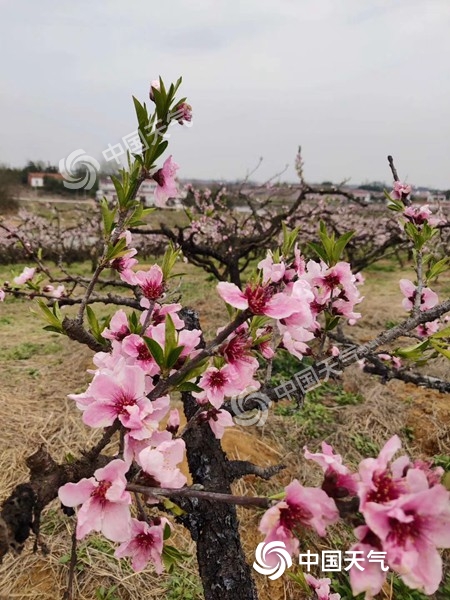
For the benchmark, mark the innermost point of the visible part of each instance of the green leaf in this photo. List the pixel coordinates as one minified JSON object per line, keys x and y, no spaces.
{"x":160,"y":150}
{"x":108,"y":216}
{"x":53,"y":317}
{"x":443,"y":333}
{"x":173,"y":356}
{"x":196,"y":371}
{"x":170,"y":342}
{"x":189,"y":387}
{"x":119,"y":189}
{"x":174,"y":508}
{"x":155,"y":350}
{"x":437,"y":268}
{"x":319,"y":251}
{"x":52,"y":328}
{"x":169,"y":259}
{"x":331,"y":321}
{"x":440,"y":347}
{"x":94,"y":324}
{"x":289,"y":239}
{"x":414,"y":352}
{"x":141,"y":113}
{"x":394,"y":204}
{"x":340,"y":245}
{"x":133,"y":323}
{"x":117,"y":250}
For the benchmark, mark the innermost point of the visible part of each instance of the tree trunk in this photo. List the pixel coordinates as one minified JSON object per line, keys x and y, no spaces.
{"x":235,"y":274}
{"x":214,"y":527}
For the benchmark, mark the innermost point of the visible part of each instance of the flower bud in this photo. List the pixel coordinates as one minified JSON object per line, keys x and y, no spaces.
{"x":154,"y":85}
{"x":183,"y":113}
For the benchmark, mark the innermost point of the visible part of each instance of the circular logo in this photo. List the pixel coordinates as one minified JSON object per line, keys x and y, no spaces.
{"x":275,"y":565}
{"x":257,"y":415}
{"x":79,"y":170}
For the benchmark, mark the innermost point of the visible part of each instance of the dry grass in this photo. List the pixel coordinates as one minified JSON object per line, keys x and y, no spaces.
{"x":38,"y":370}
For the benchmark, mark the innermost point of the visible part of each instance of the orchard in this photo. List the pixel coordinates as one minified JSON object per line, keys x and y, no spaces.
{"x":164,"y":391}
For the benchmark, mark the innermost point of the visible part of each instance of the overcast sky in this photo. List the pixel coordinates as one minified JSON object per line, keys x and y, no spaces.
{"x":349,"y":80}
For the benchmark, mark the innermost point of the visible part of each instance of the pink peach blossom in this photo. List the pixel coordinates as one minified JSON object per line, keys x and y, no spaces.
{"x":337,"y":475}
{"x":427,"y":329}
{"x":26,"y":275}
{"x":105,"y":502}
{"x":260,"y":299}
{"x":365,"y":575}
{"x":118,"y":327}
{"x":159,"y":313}
{"x":401,"y":190}
{"x":411,"y":528}
{"x":418,"y":215}
{"x":216,"y":384}
{"x":118,"y":395}
{"x":429,"y":299}
{"x":165,"y":178}
{"x":145,"y":544}
{"x":133,"y":345}
{"x":321,"y":587}
{"x":161,"y":463}
{"x":173,"y":422}
{"x":218,"y":420}
{"x":302,"y":506}
{"x":272,"y":272}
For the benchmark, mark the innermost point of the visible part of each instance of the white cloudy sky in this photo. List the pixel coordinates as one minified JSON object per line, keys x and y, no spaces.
{"x":349,"y":80}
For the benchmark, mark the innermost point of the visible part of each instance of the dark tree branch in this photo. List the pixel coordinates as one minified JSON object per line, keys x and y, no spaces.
{"x":240,"y":468}
{"x":188,"y":492}
{"x":393,"y":169}
{"x":378,"y":367}
{"x":75,"y":331}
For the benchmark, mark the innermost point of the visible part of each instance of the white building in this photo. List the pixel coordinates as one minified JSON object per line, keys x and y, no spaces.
{"x":146,"y":193}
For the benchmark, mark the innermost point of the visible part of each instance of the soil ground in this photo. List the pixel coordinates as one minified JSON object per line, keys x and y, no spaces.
{"x":356,"y":415}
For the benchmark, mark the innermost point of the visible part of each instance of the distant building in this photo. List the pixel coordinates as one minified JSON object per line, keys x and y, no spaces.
{"x":146,"y":193}
{"x":36,"y":180}
{"x":428,"y":196}
{"x":107,"y":190}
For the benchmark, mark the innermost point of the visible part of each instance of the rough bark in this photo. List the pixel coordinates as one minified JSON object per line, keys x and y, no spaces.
{"x":214,"y":527}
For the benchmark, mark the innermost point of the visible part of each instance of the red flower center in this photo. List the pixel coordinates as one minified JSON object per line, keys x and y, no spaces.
{"x":216,"y":379}
{"x":159,"y":177}
{"x":257,"y":298}
{"x":386,"y":489}
{"x":122,"y":402}
{"x":145,"y":540}
{"x":331,"y":280}
{"x":143,"y":352}
{"x":152,"y":290}
{"x":293,"y":515}
{"x":118,"y":264}
{"x":237,"y":348}
{"x":404,"y":532}
{"x":122,"y":333}
{"x":100,"y":491}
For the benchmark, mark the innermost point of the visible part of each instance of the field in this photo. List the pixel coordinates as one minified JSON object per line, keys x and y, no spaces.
{"x":356,"y":415}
